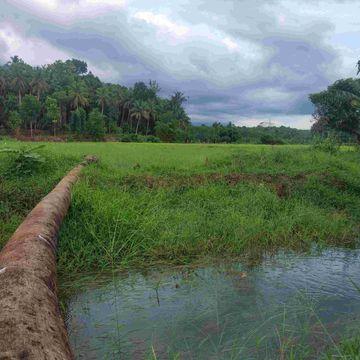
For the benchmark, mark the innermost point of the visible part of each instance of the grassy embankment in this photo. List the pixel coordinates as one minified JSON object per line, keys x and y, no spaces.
{"x":172,"y":202}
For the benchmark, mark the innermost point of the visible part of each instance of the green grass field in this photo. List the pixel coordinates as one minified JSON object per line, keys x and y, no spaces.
{"x":146,"y":203}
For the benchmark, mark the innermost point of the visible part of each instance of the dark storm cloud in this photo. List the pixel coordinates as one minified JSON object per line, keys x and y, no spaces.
{"x":234,"y":59}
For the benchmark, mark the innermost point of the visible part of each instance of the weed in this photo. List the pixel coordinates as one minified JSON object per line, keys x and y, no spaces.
{"x":25,"y":160}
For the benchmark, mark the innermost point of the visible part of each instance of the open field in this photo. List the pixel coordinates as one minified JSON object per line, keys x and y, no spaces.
{"x":148,"y":203}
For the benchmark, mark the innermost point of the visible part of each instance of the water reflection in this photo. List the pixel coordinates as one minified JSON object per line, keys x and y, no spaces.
{"x":288,"y":304}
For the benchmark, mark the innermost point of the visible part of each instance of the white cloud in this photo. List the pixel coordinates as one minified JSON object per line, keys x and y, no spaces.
{"x":31,"y":50}
{"x":47,"y":4}
{"x":112,"y":3}
{"x":230,"y":44}
{"x":162,"y":23}
{"x":68,"y":12}
{"x":270,"y":95}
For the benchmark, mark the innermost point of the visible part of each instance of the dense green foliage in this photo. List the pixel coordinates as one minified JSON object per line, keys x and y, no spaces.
{"x":24,"y":161}
{"x":176,"y":202}
{"x":218,"y":133}
{"x":61,"y":96}
{"x":338,"y":108}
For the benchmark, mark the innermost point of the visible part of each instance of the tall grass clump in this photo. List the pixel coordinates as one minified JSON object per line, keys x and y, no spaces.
{"x":330,"y":144}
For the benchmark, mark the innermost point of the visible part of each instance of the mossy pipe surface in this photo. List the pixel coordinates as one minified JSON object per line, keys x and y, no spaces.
{"x":31,"y":325}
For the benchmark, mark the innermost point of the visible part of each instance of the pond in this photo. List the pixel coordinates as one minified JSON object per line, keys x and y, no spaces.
{"x":286,"y":305}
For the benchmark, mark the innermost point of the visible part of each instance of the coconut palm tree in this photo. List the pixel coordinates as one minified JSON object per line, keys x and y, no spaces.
{"x":64,"y":101}
{"x":137,"y":113}
{"x":18,"y":84}
{"x":102,"y":97}
{"x":152,"y":114}
{"x":127,"y":105}
{"x":178,"y":99}
{"x":38,"y":86}
{"x":119,"y":99}
{"x":181,"y":116}
{"x":78,"y":95}
{"x":154,"y":87}
{"x":146,"y":114}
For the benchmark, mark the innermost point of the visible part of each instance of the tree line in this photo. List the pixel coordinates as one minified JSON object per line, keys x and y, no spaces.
{"x":66,"y":97}
{"x":273,"y":135}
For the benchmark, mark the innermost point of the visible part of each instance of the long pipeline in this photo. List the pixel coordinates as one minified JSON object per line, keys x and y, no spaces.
{"x":31,"y":325}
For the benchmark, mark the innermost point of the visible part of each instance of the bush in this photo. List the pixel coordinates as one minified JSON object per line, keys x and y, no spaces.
{"x":111,"y":125}
{"x":331,"y":144}
{"x":95,"y":126}
{"x":14,"y":121}
{"x":269,"y":140}
{"x":24,"y":161}
{"x":129,"y":138}
{"x":138,"y":138}
{"x":165,"y":131}
{"x":149,"y":138}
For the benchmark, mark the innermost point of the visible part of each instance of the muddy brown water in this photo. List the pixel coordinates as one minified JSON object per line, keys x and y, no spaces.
{"x":289,"y":303}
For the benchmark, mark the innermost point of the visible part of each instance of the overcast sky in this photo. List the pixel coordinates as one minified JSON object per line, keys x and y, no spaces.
{"x":243,"y":61}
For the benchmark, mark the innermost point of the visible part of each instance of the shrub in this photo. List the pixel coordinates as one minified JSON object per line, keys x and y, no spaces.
{"x":138,"y":138}
{"x":78,"y":121}
{"x":111,"y":125}
{"x":95,"y":126}
{"x":129,"y":138}
{"x":149,"y":138}
{"x":165,"y":131}
{"x":331,"y":144}
{"x":269,"y":140}
{"x":24,"y":160}
{"x":14,"y":121}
